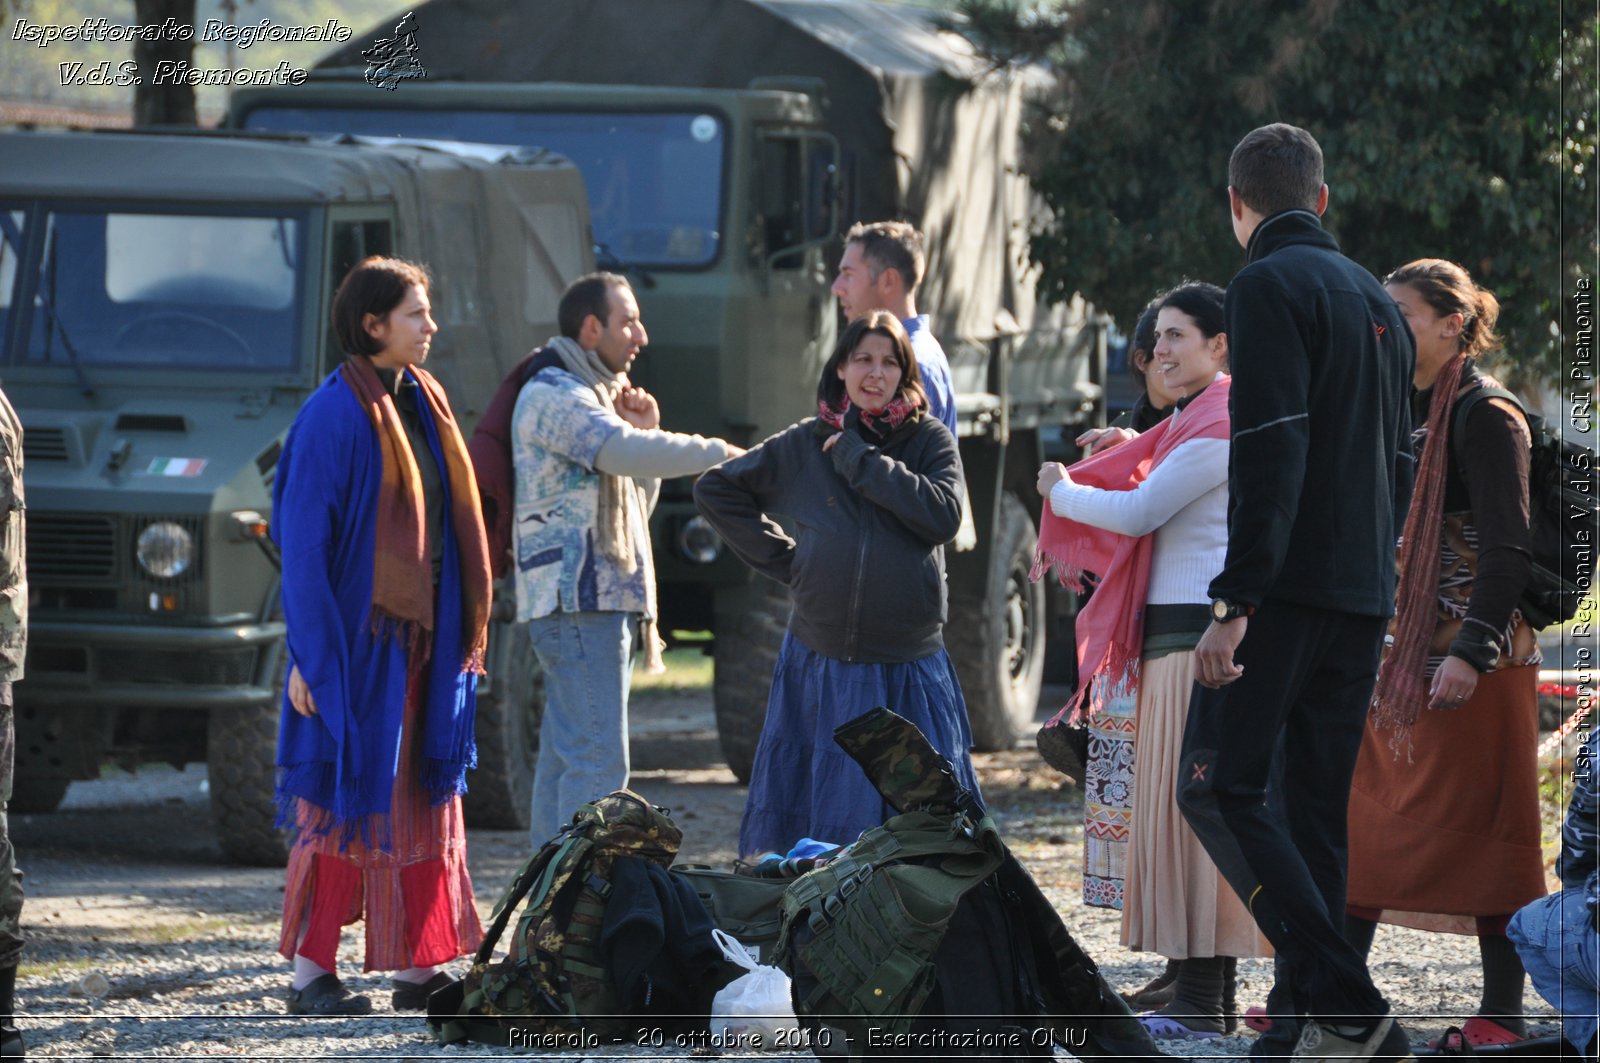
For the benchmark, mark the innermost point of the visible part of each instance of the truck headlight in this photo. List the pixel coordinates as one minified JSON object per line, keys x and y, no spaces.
{"x":698,"y":541}
{"x":165,"y":549}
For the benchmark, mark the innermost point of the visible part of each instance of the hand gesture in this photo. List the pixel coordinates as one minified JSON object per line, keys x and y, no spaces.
{"x":1050,"y":474}
{"x":1453,"y":684}
{"x":300,"y":694}
{"x":1097,"y":439}
{"x":1213,"y":658}
{"x":638,"y":407}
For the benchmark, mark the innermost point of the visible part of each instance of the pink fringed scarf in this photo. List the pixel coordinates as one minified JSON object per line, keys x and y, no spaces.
{"x":1111,"y":626}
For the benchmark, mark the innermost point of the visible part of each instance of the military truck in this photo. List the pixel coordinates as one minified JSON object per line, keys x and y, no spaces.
{"x":724,"y":147}
{"x":163,"y":313}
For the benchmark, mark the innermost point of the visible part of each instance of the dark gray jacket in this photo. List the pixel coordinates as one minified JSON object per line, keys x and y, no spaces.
{"x":866,"y":566}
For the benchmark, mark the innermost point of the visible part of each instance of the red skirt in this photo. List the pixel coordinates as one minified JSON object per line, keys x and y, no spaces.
{"x":416,"y":897}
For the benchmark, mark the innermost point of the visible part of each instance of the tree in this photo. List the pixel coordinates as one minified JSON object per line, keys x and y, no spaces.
{"x":163,"y":102}
{"x":1464,"y":132}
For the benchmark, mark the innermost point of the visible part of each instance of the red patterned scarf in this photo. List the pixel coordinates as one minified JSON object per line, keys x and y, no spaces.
{"x":1403,"y":677}
{"x":878,"y":424}
{"x":402,"y":583}
{"x":1111,"y":626}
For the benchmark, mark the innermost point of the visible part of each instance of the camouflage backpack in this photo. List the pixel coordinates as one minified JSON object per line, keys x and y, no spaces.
{"x":553,"y":980}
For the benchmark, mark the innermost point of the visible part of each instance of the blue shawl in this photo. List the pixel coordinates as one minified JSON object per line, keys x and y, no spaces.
{"x":324,"y":507}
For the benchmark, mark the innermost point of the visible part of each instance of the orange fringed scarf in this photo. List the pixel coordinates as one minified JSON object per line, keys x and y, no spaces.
{"x":402,"y":584}
{"x":1403,"y":677}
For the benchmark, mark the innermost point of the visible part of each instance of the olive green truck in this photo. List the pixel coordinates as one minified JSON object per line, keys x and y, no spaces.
{"x":721,"y":154}
{"x":163,"y":312}
{"x":724,"y":148}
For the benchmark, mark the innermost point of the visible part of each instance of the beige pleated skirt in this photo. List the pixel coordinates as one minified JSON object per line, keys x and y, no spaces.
{"x":1175,"y":903}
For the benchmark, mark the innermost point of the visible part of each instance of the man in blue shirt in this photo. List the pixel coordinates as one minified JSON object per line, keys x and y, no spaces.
{"x":880,"y":270}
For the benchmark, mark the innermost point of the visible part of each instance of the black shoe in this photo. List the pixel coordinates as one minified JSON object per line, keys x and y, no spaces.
{"x":327,"y":996}
{"x":11,"y":1046}
{"x":412,"y":996}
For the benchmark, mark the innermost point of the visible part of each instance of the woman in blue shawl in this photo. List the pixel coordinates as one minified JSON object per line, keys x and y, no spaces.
{"x":386,"y":597}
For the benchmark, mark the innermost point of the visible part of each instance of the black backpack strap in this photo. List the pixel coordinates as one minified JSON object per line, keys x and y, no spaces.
{"x":1465,"y":404}
{"x":531,"y":872}
{"x":546,"y":358}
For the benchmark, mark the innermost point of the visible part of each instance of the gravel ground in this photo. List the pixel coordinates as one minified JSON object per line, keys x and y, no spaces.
{"x":145,"y":945}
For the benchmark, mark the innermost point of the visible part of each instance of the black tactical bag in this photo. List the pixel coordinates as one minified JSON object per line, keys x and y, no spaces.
{"x":926,"y":938}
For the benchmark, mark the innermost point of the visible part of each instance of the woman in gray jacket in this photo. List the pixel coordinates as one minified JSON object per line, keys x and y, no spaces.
{"x":872,"y":487}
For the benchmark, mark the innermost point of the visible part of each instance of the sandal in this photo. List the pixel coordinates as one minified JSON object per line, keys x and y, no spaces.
{"x":1257,"y":1019}
{"x":326,"y":995}
{"x":413,"y":996}
{"x":1167,"y":1028}
{"x":1481,"y":1030}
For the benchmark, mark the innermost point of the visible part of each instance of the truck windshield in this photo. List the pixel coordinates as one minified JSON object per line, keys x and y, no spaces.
{"x":654,"y":178}
{"x":125,"y":288}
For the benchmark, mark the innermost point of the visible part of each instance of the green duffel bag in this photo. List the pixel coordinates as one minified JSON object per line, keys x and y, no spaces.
{"x":742,"y":906}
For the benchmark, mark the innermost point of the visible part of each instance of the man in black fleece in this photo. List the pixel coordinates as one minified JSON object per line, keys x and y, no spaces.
{"x":1319,"y":477}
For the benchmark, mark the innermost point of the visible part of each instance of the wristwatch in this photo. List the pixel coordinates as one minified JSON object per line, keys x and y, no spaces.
{"x":1223,"y":610}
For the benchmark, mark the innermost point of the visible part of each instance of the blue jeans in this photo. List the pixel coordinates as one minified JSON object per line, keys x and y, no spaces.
{"x":1561,"y":951}
{"x":583,"y":740}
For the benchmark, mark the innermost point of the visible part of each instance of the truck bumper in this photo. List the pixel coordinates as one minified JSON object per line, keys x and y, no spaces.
{"x":161,"y":667}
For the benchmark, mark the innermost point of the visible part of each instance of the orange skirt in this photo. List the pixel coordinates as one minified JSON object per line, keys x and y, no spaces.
{"x":1452,"y":836}
{"x":416,"y":898}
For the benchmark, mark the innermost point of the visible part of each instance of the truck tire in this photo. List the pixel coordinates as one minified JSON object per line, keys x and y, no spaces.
{"x":36,"y":794}
{"x":996,"y":639}
{"x":241,"y":766}
{"x":746,"y":652}
{"x":500,"y":791}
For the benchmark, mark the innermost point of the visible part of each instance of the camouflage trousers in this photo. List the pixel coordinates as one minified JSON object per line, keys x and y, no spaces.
{"x":10,"y":877}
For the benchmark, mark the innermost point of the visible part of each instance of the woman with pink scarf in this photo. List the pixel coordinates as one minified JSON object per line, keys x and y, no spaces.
{"x":1150,"y":517}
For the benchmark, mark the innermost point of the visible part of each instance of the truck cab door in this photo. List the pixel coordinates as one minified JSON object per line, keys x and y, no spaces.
{"x":353,"y":234}
{"x":796,"y":218}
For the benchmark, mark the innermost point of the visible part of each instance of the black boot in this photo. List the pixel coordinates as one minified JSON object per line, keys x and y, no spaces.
{"x":11,"y":1046}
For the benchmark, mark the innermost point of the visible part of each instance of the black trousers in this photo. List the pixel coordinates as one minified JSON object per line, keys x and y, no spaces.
{"x":1303,"y":697}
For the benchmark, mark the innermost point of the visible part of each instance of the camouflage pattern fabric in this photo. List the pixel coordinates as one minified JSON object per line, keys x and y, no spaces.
{"x":902,"y":763}
{"x":13,"y":536}
{"x":10,"y":877}
{"x":13,"y":648}
{"x":553,"y":978}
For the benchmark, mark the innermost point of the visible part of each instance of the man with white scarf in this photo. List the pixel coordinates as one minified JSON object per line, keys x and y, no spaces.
{"x":590,"y":456}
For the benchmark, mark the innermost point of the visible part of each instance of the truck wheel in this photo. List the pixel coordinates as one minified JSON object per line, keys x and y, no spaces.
{"x":997,"y":639}
{"x":500,"y":791}
{"x":37,"y":794}
{"x":241,"y":765}
{"x":746,"y":652}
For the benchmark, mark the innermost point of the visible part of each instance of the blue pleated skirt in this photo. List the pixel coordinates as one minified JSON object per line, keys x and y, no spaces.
{"x":803,"y":785}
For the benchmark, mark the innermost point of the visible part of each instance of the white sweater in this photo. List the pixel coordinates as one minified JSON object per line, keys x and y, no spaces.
{"x":1184,"y":501}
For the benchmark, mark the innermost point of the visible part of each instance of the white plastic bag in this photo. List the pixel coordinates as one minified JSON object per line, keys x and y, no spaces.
{"x":752,"y":1012}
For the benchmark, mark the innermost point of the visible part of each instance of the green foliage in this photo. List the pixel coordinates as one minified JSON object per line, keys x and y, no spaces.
{"x":1465,"y":132}
{"x":32,"y":73}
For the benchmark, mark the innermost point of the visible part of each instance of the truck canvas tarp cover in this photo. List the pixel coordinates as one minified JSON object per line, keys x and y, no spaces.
{"x":527,"y":223}
{"x":897,"y":87}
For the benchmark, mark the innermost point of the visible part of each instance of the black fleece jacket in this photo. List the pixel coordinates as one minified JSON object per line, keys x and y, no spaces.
{"x":866,"y":565}
{"x":1320,"y":470}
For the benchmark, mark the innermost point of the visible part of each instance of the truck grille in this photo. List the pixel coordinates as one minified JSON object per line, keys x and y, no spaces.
{"x":70,"y":547}
{"x":44,"y":443}
{"x":224,"y":668}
